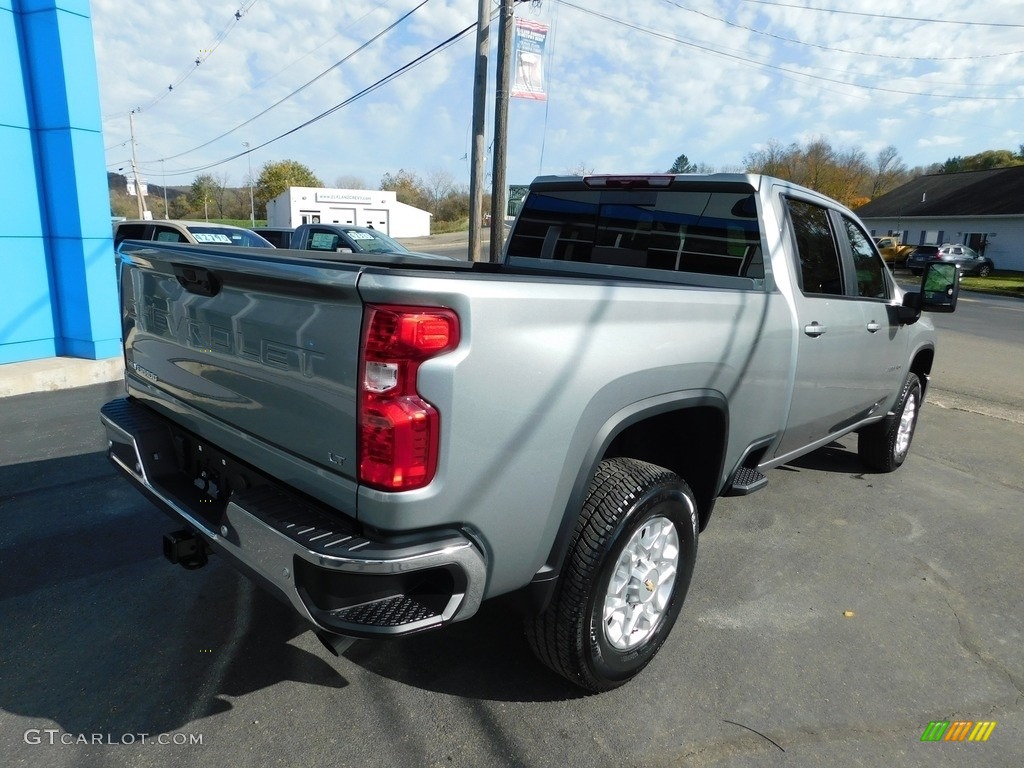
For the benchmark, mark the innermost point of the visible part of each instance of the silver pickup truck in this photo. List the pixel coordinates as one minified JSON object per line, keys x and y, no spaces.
{"x":385,"y":442}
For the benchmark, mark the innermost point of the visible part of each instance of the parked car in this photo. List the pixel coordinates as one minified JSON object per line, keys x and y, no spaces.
{"x":967,"y":260}
{"x":920,"y":256}
{"x":279,"y":237}
{"x":181,"y":231}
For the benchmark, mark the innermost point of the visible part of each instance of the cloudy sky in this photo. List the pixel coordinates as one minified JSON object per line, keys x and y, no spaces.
{"x":631,"y":83}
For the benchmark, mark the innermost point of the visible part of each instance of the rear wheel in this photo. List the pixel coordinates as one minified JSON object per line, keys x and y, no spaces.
{"x":625,"y":576}
{"x":884,"y":446}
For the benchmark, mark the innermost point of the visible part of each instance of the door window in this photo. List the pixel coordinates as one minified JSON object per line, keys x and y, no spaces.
{"x":168,"y":235}
{"x":821,"y":271}
{"x":871,"y":282}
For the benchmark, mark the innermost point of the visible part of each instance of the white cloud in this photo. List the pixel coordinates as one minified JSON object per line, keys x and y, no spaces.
{"x":631,"y":93}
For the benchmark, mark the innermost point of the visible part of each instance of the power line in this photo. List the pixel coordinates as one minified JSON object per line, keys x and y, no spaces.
{"x":749,"y":62}
{"x":944,"y":57}
{"x":308,"y":53}
{"x":204,"y":54}
{"x":886,"y":16}
{"x":265,"y":80}
{"x":355,"y":97}
{"x":301,"y":87}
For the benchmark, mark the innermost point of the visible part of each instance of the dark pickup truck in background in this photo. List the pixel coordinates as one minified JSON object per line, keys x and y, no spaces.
{"x":338,"y":238}
{"x":386,"y":441}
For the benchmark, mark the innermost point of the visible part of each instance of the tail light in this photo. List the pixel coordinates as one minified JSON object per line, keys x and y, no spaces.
{"x":398,"y":429}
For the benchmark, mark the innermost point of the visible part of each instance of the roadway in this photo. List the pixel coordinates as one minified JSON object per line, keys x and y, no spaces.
{"x":832,"y":617}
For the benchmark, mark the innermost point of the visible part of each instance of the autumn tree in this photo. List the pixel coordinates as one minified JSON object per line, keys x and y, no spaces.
{"x":408,"y":188}
{"x":844,"y":175}
{"x":438,"y":186}
{"x":202,"y":194}
{"x":350,"y":182}
{"x":455,"y":206}
{"x":276,"y":177}
{"x":990,"y":158}
{"x":223,"y":196}
{"x":889,"y":172}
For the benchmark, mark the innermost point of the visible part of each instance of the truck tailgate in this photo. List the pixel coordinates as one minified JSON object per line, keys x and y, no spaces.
{"x":265,"y":346}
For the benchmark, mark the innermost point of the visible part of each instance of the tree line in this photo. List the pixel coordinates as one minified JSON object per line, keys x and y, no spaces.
{"x":847,"y":175}
{"x":210,"y":196}
{"x":850,"y":175}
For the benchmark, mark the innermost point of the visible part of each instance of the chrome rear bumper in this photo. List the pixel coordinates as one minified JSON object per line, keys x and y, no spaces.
{"x":335,"y":576}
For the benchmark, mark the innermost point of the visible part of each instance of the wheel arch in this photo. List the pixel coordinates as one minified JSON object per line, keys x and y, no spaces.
{"x":659,"y":431}
{"x":921,"y":364}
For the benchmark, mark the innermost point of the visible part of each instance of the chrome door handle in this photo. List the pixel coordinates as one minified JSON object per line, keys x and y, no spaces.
{"x":873,"y":326}
{"x":814,"y":329}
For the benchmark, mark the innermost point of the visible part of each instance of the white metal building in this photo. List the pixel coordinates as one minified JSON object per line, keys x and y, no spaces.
{"x":360,"y":207}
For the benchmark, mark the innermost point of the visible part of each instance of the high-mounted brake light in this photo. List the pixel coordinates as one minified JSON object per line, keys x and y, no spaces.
{"x":629,"y":182}
{"x":398,"y":429}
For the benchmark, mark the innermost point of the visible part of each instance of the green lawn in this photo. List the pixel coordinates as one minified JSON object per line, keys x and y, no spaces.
{"x":1000,"y":282}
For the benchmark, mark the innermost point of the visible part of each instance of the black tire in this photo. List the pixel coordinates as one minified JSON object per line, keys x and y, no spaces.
{"x":884,"y":446}
{"x":629,"y":504}
{"x":984,"y":270}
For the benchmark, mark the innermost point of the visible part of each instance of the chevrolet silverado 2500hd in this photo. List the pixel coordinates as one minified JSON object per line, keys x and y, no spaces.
{"x":385,"y":442}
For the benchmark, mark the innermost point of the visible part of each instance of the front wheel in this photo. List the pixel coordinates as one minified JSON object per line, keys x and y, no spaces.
{"x":884,"y":446}
{"x":624,"y":579}
{"x":985,"y":270}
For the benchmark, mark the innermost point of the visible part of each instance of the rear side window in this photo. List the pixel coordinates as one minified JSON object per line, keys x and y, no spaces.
{"x":129,"y":232}
{"x":821,"y":270}
{"x":713,"y":232}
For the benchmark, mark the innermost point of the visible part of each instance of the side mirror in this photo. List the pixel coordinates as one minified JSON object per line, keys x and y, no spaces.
{"x":940,"y":287}
{"x":342,"y":249}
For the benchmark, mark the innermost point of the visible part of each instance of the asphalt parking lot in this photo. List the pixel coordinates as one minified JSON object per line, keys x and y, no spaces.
{"x":832,"y":618}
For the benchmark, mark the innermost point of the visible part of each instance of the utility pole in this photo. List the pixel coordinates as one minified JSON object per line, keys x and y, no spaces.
{"x":478,"y":157}
{"x":163,"y":173}
{"x":140,"y":199}
{"x":501,"y":96}
{"x":252,"y":201}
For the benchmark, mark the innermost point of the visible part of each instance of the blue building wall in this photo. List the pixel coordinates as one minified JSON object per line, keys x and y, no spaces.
{"x":58,"y":292}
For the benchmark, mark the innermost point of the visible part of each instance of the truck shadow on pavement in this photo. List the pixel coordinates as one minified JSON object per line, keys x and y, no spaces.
{"x":101,"y":635}
{"x":834,"y":457}
{"x":486,"y":657}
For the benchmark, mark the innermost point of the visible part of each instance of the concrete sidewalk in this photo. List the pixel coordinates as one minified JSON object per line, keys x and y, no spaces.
{"x":57,"y":373}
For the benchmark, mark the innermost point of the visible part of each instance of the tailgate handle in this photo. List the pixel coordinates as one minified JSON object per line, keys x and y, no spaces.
{"x":197,"y":280}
